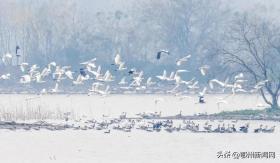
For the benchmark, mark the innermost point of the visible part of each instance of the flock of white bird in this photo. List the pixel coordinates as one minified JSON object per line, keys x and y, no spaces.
{"x":101,"y":81}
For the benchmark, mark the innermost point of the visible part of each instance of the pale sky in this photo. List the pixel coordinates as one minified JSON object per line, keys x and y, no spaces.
{"x":238,"y":4}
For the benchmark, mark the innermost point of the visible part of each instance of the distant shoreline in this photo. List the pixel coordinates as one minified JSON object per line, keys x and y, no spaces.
{"x":214,"y":117}
{"x":85,"y":93}
{"x":248,"y":114}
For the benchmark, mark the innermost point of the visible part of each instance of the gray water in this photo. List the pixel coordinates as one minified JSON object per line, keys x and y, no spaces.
{"x":53,"y":106}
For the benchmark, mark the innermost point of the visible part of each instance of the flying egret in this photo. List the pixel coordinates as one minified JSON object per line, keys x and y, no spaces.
{"x":240,"y":81}
{"x":104,"y":92}
{"x":163,"y":76}
{"x":23,"y":66}
{"x":38,"y":78}
{"x":45,"y":72}
{"x":239,"y":76}
{"x":59,"y":72}
{"x":118,"y":59}
{"x":202,"y":93}
{"x":204,"y":69}
{"x":171,"y":76}
{"x":149,"y":82}
{"x":43,"y":91}
{"x":108,"y":77}
{"x":52,"y":64}
{"x":192,"y":85}
{"x":95,"y":87}
{"x":178,"y":79}
{"x":137,"y":79}
{"x":7,"y":58}
{"x":241,"y":90}
{"x":25,"y":79}
{"x":122,"y":66}
{"x":122,"y":82}
{"x":80,"y":80}
{"x":55,"y":89}
{"x":161,"y":52}
{"x":90,"y":63}
{"x":180,"y":61}
{"x":97,"y":73}
{"x":260,"y":84}
{"x":69,"y":74}
{"x":211,"y":83}
{"x":33,"y":70}
{"x":5,"y":76}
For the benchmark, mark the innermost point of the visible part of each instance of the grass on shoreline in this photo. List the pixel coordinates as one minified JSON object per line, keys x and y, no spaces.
{"x":250,"y":112}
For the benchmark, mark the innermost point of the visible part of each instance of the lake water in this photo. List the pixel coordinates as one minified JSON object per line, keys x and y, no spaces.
{"x":138,"y":146}
{"x":113,"y":105}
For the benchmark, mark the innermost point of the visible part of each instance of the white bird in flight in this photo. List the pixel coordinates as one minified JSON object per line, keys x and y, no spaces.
{"x":5,"y":76}
{"x":149,"y":82}
{"x":260,"y":84}
{"x":55,"y":89}
{"x":178,"y":78}
{"x":25,"y":79}
{"x":204,"y":69}
{"x":122,"y":66}
{"x":122,"y":82}
{"x":90,"y":63}
{"x":180,"y":61}
{"x":7,"y":58}
{"x":118,"y":59}
{"x":23,"y":66}
{"x":239,"y":76}
{"x":202,"y":93}
{"x":69,"y":74}
{"x":163,"y":76}
{"x":137,"y":79}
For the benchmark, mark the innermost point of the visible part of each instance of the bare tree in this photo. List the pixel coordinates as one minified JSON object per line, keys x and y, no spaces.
{"x":253,"y":45}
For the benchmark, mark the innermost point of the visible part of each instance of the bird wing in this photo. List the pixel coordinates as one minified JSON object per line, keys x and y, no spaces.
{"x":69,"y":74}
{"x":185,"y":58}
{"x":158,"y":55}
{"x":149,"y":80}
{"x":178,"y":62}
{"x":117,"y":59}
{"x":56,"y":86}
{"x":52,"y":63}
{"x":204,"y":90}
{"x":202,"y":71}
{"x":22,"y":68}
{"x":164,"y":73}
{"x":172,"y":74}
{"x":182,"y":71}
{"x":122,"y":81}
{"x":218,"y":82}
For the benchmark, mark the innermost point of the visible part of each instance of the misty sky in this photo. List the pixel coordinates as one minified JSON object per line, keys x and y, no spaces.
{"x":237,"y":4}
{"x":266,"y":7}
